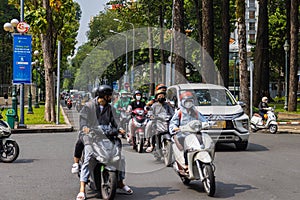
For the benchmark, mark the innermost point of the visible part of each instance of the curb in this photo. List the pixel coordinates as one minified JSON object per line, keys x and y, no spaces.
{"x":288,"y":123}
{"x":47,"y":128}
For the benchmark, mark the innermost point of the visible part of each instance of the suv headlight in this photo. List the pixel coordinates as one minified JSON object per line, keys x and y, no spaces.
{"x":242,"y":125}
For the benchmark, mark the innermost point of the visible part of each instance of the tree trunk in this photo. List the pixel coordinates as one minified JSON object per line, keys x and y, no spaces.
{"x":162,"y":52}
{"x":244,"y":76}
{"x":179,"y":50}
{"x":151,"y":60}
{"x":48,"y":65}
{"x":224,"y":62}
{"x":199,"y":21}
{"x":292,"y":102}
{"x":208,"y":69}
{"x":261,"y":59}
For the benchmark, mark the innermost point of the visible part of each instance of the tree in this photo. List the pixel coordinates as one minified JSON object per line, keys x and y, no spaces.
{"x":244,"y":77}
{"x":224,"y":64}
{"x":178,"y":33}
{"x":261,"y":59}
{"x":50,"y":21}
{"x":293,"y":85}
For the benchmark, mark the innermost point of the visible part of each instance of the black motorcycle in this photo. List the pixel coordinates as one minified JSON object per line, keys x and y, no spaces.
{"x":105,"y":164}
{"x":9,"y":148}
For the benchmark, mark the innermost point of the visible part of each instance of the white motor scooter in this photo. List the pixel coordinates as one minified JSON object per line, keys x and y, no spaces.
{"x":199,"y":150}
{"x":257,"y":122}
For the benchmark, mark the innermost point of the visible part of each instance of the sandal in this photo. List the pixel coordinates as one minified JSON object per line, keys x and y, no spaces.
{"x":126,"y":190}
{"x":80,"y":196}
{"x":149,"y":149}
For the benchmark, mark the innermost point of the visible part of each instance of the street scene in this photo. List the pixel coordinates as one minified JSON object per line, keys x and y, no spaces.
{"x":146,"y":99}
{"x":269,"y":169}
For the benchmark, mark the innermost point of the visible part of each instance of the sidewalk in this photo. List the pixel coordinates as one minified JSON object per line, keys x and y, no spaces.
{"x":46,"y":128}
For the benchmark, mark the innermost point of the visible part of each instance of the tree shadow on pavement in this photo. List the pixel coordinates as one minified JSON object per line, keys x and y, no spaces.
{"x":227,"y":190}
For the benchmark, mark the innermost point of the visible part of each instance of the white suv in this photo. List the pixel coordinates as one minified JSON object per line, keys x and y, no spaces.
{"x":217,"y":104}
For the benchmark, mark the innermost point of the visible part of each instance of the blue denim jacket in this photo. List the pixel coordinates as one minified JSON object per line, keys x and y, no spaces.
{"x":185,"y":117}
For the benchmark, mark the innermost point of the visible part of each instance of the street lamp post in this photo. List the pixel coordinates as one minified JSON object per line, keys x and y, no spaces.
{"x":36,"y":104}
{"x":133,"y":48}
{"x":286,"y":49}
{"x":126,"y":49}
{"x":234,"y":73}
{"x":10,"y":27}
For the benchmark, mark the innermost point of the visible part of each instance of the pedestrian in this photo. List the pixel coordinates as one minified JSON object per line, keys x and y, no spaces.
{"x":6,"y":98}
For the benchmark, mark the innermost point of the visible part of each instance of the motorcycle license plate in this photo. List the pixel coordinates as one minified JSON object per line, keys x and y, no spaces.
{"x":219,"y":125}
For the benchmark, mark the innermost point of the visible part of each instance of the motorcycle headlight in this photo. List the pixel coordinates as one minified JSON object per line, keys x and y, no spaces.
{"x":116,"y":158}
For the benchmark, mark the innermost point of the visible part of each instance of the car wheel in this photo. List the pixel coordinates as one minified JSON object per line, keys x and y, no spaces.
{"x":241,"y":146}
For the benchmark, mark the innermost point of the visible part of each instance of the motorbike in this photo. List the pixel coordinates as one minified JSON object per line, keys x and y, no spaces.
{"x":69,"y":103}
{"x":139,"y":125}
{"x":9,"y":148}
{"x":162,"y":147}
{"x":78,"y":105}
{"x":106,"y":161}
{"x":124,"y":119}
{"x":198,"y":149}
{"x":257,"y":123}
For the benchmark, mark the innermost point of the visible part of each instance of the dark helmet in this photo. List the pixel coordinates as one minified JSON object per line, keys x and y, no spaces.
{"x":104,"y":90}
{"x":95,"y":92}
{"x":136,"y":92}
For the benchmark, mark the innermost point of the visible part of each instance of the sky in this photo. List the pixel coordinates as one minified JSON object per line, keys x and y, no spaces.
{"x":89,"y":9}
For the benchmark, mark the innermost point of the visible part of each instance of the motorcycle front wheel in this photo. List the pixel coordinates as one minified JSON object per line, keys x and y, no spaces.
{"x":166,"y":149}
{"x":273,"y":128}
{"x":10,"y":151}
{"x":209,"y":178}
{"x":108,"y":185}
{"x":140,"y":145}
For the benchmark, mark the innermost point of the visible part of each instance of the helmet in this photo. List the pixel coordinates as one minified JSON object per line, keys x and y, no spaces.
{"x":161,"y":91}
{"x":187,"y":99}
{"x":136,"y":92}
{"x":95,"y":92}
{"x":161,"y":87}
{"x":104,"y":90}
{"x":264,"y":99}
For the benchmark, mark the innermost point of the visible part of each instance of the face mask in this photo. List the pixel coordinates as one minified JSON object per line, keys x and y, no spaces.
{"x":188,"y":104}
{"x":138,"y":98}
{"x":161,"y":100}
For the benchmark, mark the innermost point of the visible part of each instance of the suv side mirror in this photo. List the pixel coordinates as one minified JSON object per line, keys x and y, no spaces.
{"x":241,"y":103}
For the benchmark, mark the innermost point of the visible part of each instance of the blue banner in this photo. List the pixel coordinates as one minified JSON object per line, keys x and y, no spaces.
{"x":22,"y":59}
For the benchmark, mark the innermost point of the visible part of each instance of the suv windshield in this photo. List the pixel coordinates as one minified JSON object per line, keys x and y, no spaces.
{"x":212,"y":97}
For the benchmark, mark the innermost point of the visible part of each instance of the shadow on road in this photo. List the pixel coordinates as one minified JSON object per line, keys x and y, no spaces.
{"x":224,"y":190}
{"x":231,"y":148}
{"x":21,"y":161}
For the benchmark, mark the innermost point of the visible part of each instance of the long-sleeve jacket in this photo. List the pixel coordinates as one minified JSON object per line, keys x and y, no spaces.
{"x":182,"y":116}
{"x":91,"y":116}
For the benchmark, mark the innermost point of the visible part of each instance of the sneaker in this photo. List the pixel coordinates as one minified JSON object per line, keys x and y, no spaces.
{"x":75,"y":168}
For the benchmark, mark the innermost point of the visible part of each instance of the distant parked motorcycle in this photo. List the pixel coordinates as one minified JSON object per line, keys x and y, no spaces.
{"x":198,"y":150}
{"x":9,"y":148}
{"x":258,"y":123}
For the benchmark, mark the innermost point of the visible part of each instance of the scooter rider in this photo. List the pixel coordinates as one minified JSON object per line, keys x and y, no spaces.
{"x":159,"y":107}
{"x":137,"y":102}
{"x":263,"y":107}
{"x":96,"y":112}
{"x":186,"y":113}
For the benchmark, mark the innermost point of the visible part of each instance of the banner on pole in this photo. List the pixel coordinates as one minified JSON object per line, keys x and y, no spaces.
{"x":22,"y":59}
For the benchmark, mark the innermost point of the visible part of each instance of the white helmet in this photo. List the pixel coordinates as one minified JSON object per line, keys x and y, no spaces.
{"x":264,"y":99}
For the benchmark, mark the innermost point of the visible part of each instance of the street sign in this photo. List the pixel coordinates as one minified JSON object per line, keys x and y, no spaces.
{"x":22,"y":59}
{"x":115,"y":86}
{"x":23,"y":27}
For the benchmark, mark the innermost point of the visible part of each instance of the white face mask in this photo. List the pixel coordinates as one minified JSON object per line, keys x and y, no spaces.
{"x":138,"y":98}
{"x":188,"y":104}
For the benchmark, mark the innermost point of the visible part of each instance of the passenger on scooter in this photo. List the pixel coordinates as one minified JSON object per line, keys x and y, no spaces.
{"x":186,"y":113}
{"x":263,"y":107}
{"x":159,"y":107}
{"x":96,"y":112}
{"x":137,"y":102}
{"x":122,"y":103}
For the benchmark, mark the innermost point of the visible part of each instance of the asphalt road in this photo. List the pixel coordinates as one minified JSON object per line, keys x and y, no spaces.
{"x":269,"y":169}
